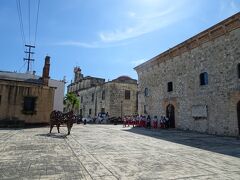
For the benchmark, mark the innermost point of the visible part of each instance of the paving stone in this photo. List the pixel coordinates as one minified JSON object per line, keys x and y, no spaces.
{"x":113,"y":152}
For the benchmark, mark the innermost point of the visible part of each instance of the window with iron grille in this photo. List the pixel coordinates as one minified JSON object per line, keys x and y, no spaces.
{"x":127,"y":94}
{"x":29,"y":105}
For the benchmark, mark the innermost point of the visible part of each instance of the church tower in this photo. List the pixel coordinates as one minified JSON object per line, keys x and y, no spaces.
{"x":78,"y":76}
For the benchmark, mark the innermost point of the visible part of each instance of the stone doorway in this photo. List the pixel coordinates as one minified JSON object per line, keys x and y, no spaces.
{"x":238,"y":115}
{"x":171,"y":115}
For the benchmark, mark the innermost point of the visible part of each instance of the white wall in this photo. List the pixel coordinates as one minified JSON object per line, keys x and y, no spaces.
{"x":59,"y":93}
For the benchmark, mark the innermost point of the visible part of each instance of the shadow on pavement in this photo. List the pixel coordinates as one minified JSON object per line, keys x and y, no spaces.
{"x":53,"y":135}
{"x":219,"y":144}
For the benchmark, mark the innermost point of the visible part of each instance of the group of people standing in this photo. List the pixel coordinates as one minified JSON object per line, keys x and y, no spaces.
{"x":146,"y":121}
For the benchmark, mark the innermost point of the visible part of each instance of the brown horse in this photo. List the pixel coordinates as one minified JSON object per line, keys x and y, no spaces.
{"x":57,"y":118}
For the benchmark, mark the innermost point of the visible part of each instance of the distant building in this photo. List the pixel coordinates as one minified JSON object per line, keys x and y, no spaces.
{"x":27,"y":98}
{"x":196,"y":83}
{"x":117,"y":97}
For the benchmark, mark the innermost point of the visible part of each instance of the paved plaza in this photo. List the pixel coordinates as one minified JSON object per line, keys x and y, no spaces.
{"x":113,"y":152}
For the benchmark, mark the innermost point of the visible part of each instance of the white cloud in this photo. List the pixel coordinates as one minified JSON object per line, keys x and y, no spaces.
{"x":137,"y":62}
{"x":96,"y":44}
{"x":78,"y":44}
{"x":151,"y":15}
{"x":131,"y":14}
{"x":146,"y":22}
{"x":229,"y":7}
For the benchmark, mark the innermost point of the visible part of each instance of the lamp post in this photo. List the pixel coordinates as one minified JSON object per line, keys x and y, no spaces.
{"x":121,"y":110}
{"x":100,"y":106}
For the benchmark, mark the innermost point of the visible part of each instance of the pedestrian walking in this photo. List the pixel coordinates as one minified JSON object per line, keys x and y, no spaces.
{"x":148,"y":121}
{"x":155,"y":122}
{"x":162,"y":122}
{"x":167,"y":122}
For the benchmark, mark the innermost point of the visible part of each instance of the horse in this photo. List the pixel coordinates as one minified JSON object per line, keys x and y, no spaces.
{"x":57,"y":118}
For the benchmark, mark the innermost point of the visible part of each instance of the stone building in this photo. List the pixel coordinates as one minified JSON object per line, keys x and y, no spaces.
{"x":197,"y":82}
{"x":117,"y":97}
{"x":25,"y":100}
{"x":59,"y":85}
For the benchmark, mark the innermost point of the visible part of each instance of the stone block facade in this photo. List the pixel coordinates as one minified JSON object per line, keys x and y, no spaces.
{"x":80,"y":82}
{"x":199,"y":79}
{"x":117,"y":97}
{"x":93,"y":100}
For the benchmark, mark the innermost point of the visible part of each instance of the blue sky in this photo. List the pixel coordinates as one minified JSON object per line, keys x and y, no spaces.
{"x":106,"y":38}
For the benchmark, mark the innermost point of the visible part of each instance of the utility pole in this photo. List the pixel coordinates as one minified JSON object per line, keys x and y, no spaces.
{"x":29,"y":52}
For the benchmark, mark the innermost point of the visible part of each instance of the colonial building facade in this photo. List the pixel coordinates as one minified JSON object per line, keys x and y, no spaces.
{"x":27,"y":98}
{"x":59,"y":85}
{"x":117,"y":97}
{"x":196,"y":83}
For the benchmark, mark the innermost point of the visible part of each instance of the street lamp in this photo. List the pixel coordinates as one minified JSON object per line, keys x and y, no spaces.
{"x":100,"y":106}
{"x":121,"y":110}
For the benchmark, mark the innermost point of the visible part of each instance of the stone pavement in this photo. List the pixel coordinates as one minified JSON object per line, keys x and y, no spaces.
{"x":112,"y":152}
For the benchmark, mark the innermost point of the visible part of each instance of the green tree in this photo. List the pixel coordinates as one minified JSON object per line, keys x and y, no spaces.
{"x":71,"y":101}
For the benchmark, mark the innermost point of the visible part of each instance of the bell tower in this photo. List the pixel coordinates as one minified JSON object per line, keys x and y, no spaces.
{"x":78,"y":76}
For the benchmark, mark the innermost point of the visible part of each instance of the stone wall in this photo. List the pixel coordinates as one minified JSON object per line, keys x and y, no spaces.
{"x":219,"y":57}
{"x":12,"y":99}
{"x":114,"y":102}
{"x":85,"y":83}
{"x":119,"y":105}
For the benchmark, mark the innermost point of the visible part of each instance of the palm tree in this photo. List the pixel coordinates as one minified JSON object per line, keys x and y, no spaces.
{"x":71,"y":101}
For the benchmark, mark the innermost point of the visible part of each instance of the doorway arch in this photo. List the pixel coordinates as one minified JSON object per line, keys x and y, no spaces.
{"x":238,"y":116}
{"x":170,"y":113}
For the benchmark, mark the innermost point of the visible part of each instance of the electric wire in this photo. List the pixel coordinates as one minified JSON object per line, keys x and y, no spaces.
{"x":21,"y":22}
{"x":22,"y":66}
{"x":20,"y":18}
{"x":36,"y":23}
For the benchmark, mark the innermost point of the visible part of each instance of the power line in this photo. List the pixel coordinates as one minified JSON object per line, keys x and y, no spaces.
{"x":36,"y":23}
{"x":29,"y":60}
{"x":21,"y":22}
{"x":22,"y":67}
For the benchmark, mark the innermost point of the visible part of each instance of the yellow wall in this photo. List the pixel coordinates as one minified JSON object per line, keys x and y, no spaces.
{"x":12,"y":99}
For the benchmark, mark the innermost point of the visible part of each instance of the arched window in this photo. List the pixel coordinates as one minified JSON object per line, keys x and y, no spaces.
{"x":203,"y":78}
{"x":146,"y":92}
